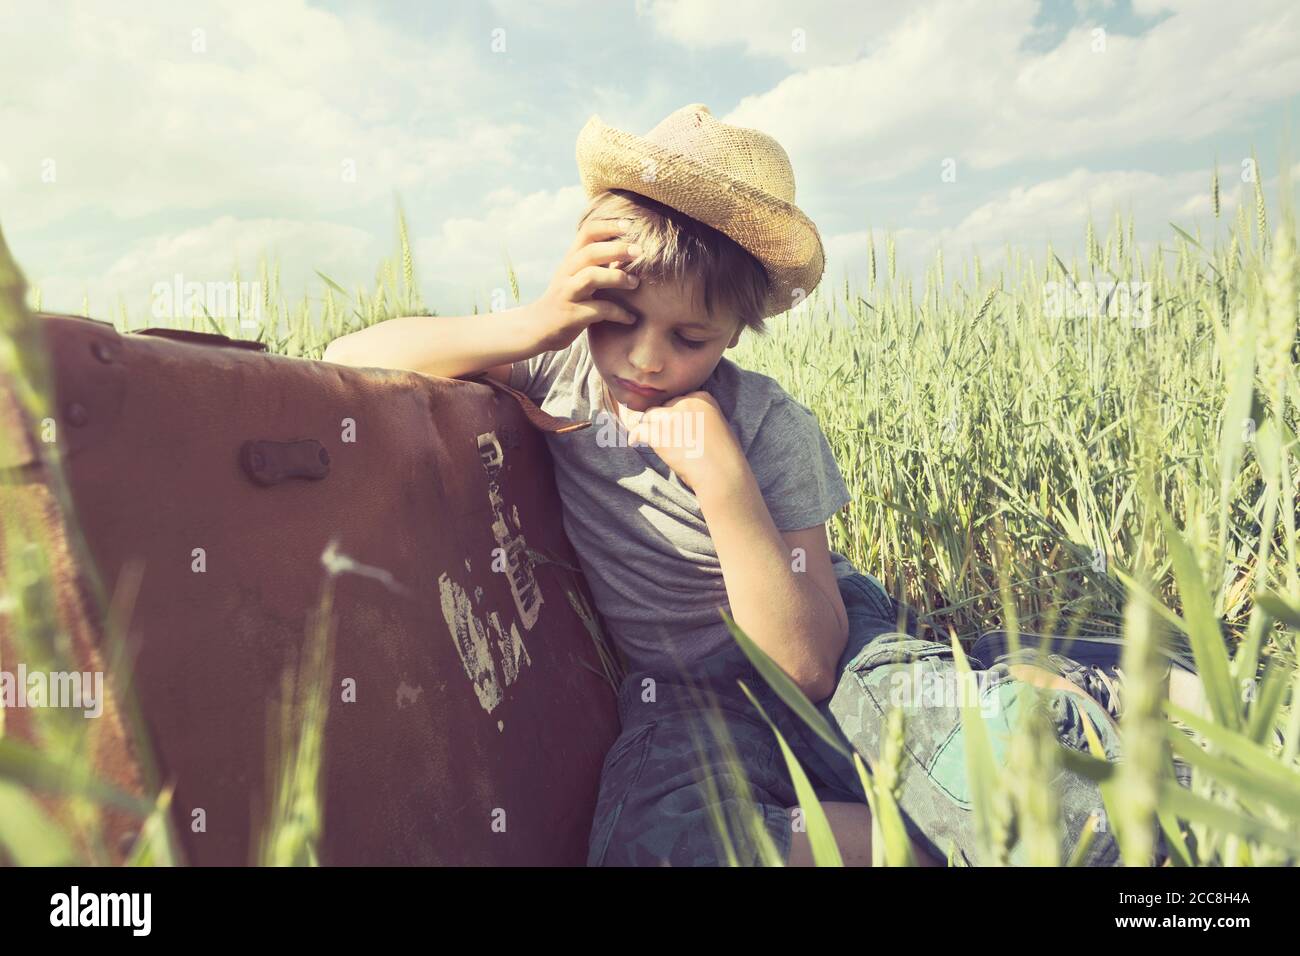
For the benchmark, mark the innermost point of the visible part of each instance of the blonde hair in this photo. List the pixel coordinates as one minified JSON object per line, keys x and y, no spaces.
{"x":677,"y":248}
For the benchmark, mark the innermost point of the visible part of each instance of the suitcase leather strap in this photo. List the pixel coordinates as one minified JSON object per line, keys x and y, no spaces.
{"x":540,"y":419}
{"x":202,"y":338}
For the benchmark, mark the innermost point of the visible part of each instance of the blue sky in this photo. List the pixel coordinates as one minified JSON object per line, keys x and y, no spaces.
{"x":185,"y":137}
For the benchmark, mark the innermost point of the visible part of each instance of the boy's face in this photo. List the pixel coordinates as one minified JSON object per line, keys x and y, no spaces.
{"x":673,"y":346}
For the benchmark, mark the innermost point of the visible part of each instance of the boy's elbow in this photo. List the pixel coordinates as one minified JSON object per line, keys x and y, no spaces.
{"x":817,"y":687}
{"x":818,"y":690}
{"x":336,"y":352}
{"x":823,"y":683}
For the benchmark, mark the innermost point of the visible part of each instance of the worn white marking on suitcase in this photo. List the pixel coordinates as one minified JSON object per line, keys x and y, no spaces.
{"x":407,"y":695}
{"x":471,"y":641}
{"x":511,"y":648}
{"x":523,"y":586}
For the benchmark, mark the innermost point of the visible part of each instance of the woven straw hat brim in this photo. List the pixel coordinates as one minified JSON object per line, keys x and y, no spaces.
{"x":774,"y":231}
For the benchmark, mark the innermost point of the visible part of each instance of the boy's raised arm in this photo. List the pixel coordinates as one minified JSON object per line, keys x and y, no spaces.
{"x":456,"y":346}
{"x":446,"y":346}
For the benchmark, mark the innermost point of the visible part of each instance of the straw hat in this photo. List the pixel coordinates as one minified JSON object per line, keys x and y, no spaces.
{"x":737,"y":180}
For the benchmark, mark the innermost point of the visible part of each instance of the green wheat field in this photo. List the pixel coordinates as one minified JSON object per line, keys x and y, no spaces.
{"x":1014,"y":465}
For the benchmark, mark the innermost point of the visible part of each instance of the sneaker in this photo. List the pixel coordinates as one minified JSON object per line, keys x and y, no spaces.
{"x":1092,"y":665}
{"x":1101,"y":682}
{"x":1104,"y":650}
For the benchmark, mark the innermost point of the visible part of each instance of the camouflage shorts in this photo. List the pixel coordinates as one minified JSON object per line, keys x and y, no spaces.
{"x":696,"y":777}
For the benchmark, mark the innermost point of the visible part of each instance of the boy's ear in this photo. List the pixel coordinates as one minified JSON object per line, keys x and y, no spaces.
{"x":735,"y":339}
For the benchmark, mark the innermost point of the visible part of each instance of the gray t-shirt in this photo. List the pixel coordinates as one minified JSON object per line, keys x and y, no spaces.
{"x":640,"y":536}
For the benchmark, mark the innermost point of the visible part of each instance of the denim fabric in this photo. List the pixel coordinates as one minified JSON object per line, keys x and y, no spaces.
{"x":885,"y":670}
{"x":673,"y":770}
{"x":667,"y":786}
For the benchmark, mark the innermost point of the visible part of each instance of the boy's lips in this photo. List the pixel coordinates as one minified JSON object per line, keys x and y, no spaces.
{"x":634,"y":387}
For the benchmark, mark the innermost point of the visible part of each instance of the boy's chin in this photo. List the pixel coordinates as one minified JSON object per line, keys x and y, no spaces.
{"x":639,"y":403}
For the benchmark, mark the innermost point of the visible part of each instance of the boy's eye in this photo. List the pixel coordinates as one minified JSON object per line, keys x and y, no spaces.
{"x":628,"y":326}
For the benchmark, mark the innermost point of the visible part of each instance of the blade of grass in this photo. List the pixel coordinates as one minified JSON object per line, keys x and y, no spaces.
{"x":821,"y":840}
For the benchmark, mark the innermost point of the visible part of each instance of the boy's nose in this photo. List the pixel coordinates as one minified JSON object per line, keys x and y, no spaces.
{"x":645,"y":359}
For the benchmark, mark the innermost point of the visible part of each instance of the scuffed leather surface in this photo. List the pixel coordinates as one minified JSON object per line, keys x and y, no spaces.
{"x":415,"y":768}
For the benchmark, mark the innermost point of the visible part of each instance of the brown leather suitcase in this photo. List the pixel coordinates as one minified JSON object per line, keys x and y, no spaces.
{"x":483,"y":704}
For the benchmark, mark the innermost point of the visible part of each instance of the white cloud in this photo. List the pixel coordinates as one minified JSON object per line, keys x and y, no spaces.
{"x":224,"y":104}
{"x":1087,"y":8}
{"x":831,"y":32}
{"x":211,"y":253}
{"x":1057,"y":210}
{"x":532,"y":13}
{"x":465,"y":260}
{"x":954,"y":81}
{"x":240,"y":147}
{"x":927,"y":204}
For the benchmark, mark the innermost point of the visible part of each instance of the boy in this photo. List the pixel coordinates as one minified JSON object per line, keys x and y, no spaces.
{"x":703,"y":486}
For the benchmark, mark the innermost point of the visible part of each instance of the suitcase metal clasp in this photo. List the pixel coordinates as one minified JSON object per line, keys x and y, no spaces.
{"x":269,"y":462}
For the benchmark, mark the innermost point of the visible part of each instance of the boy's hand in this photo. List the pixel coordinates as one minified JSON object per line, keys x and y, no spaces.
{"x":566,"y":307}
{"x":692,"y":436}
